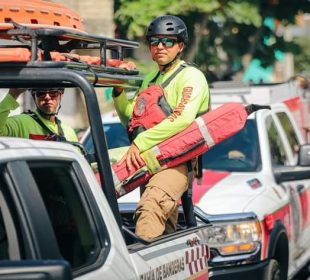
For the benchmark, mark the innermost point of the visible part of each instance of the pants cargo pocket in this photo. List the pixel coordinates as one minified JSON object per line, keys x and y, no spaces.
{"x":153,"y":211}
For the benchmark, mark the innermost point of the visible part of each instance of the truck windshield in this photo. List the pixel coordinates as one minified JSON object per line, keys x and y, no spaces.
{"x":116,"y":137}
{"x":238,"y":153}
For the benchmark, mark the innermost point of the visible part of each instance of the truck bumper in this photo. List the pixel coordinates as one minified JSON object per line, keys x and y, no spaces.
{"x":251,"y":271}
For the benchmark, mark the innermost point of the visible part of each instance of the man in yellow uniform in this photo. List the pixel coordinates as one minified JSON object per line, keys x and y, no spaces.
{"x":185,"y":90}
{"x":42,"y":124}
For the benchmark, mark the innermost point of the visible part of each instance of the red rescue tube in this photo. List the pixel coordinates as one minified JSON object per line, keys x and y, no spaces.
{"x":206,"y":131}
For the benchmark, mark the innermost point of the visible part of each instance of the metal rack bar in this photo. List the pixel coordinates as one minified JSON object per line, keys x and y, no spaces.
{"x":70,"y":40}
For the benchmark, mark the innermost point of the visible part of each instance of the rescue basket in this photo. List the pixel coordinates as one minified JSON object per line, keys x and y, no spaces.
{"x":38,"y":13}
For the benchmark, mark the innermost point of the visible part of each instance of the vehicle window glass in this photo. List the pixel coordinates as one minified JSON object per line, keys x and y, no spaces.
{"x":238,"y":153}
{"x":9,"y":238}
{"x":116,"y":136}
{"x":72,"y":226}
{"x":4,"y":245}
{"x":290,"y":133}
{"x":276,"y":146}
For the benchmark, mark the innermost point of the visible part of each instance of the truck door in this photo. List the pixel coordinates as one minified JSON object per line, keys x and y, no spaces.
{"x":280,"y":156}
{"x":56,"y":216}
{"x":18,"y":216}
{"x":302,"y":188}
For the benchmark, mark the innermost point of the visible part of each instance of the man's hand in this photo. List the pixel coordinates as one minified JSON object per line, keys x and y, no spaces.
{"x":16,"y":92}
{"x":132,"y":158}
{"x":117,"y":91}
{"x":122,"y":64}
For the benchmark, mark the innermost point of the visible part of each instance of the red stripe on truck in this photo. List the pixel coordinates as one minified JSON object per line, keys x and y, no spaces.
{"x":209,"y":179}
{"x":293,"y":104}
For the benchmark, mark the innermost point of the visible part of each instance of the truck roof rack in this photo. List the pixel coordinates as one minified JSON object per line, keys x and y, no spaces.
{"x":44,"y":72}
{"x":48,"y":41}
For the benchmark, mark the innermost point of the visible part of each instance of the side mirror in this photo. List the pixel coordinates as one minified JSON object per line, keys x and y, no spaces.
{"x":291,"y":173}
{"x":294,"y":173}
{"x":35,"y":269}
{"x":304,"y":155}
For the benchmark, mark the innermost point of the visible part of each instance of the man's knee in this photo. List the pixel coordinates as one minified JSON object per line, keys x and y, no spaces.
{"x":156,"y":200}
{"x":153,"y":211}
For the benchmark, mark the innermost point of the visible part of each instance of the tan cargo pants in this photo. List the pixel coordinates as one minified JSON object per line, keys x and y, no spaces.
{"x":157,"y":210}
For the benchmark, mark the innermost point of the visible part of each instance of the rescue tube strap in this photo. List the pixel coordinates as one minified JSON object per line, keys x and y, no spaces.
{"x":138,"y":122}
{"x":152,"y":82}
{"x":60,"y":137}
{"x":151,"y":161}
{"x":186,"y":198}
{"x":205,"y":132}
{"x":56,"y":137}
{"x":176,"y":72}
{"x":167,"y":82}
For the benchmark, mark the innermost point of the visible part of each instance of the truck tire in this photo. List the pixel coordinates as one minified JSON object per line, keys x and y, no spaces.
{"x":273,"y":271}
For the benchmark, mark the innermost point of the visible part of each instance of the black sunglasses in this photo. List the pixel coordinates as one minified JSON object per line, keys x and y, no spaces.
{"x":166,"y":42}
{"x":52,"y":93}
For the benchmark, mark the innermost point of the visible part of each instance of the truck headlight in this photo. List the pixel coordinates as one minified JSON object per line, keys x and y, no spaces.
{"x":235,"y":237}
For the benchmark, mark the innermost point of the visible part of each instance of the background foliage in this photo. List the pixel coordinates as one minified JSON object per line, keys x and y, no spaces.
{"x":224,"y":35}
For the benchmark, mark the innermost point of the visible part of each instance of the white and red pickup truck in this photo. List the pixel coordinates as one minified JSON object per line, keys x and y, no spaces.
{"x":54,"y":216}
{"x":261,"y":170}
{"x":255,"y":188}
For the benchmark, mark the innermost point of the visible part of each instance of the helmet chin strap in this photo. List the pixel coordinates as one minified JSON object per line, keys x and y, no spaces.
{"x":43,"y":114}
{"x":48,"y":115}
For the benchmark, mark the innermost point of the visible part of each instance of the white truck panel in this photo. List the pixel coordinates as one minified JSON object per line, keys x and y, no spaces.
{"x":176,"y":257}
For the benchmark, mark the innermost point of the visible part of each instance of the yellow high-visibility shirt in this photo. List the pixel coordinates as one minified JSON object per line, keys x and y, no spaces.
{"x":187,"y":94}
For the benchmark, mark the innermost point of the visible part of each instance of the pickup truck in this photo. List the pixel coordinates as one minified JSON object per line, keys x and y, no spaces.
{"x":52,"y":208}
{"x":56,"y":221}
{"x":258,"y":181}
{"x":264,"y":170}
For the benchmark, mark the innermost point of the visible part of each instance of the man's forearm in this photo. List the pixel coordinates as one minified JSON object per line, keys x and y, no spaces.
{"x":6,"y":106}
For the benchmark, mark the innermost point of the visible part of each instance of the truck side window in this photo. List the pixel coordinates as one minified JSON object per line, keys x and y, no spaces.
{"x":4,"y":246}
{"x":70,"y":219}
{"x":9,"y":237}
{"x":290,"y":133}
{"x":276,"y":146}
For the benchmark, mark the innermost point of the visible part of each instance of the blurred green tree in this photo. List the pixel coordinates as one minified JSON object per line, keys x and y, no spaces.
{"x":302,"y":56}
{"x":224,"y":35}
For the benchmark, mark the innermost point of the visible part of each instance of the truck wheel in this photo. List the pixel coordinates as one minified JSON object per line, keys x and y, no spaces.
{"x":273,"y":271}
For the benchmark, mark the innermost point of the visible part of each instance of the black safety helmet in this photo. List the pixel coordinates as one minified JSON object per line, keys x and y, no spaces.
{"x":168,"y":25}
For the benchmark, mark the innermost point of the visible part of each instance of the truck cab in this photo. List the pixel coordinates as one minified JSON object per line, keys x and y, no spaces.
{"x":262,"y":170}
